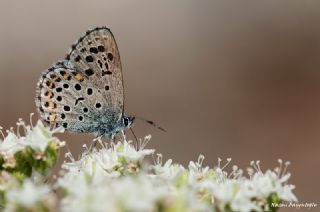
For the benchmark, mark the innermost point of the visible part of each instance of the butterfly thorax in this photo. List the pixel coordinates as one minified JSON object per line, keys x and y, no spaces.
{"x":110,"y":129}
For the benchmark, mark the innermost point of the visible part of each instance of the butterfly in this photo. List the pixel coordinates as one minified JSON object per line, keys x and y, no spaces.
{"x":84,"y":92}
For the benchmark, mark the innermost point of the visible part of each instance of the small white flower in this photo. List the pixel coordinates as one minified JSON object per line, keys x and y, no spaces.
{"x":265,"y":184}
{"x":233,"y":193}
{"x":11,"y":144}
{"x":85,"y":193}
{"x":196,"y":172}
{"x":286,"y":193}
{"x":168,"y":171}
{"x":130,"y":153}
{"x":9,"y":161}
{"x":39,"y":137}
{"x":7,"y":181}
{"x":138,"y":193}
{"x":107,"y":159}
{"x":28,"y":195}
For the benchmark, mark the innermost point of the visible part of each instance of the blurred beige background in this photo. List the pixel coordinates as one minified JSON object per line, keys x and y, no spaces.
{"x":233,"y":79}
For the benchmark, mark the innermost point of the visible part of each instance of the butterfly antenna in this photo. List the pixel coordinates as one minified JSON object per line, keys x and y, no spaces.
{"x":152,"y":123}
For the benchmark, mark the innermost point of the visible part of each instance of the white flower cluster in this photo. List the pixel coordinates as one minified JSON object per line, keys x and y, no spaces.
{"x":30,"y":196}
{"x":35,"y":150}
{"x":36,"y":137}
{"x":118,"y":159}
{"x":117,"y":177}
{"x":25,"y":161}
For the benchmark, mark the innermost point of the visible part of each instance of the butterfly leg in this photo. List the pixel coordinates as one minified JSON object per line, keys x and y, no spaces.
{"x":94,"y":144}
{"x":124,"y":136}
{"x":134,"y":135}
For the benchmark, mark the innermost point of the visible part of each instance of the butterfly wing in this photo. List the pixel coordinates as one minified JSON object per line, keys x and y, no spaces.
{"x":84,"y":93}
{"x":97,"y":57}
{"x":63,"y":97}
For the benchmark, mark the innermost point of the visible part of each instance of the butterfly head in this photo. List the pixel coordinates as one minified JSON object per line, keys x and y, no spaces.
{"x":127,"y":121}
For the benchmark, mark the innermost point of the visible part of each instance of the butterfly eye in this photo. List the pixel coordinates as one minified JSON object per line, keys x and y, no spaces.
{"x":125,"y":121}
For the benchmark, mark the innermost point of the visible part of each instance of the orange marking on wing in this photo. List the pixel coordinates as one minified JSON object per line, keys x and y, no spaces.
{"x":79,"y":77}
{"x":51,"y":105}
{"x":50,"y":84}
{"x":48,"y":94}
{"x":54,"y":77}
{"x":53,"y":117}
{"x":66,"y":76}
